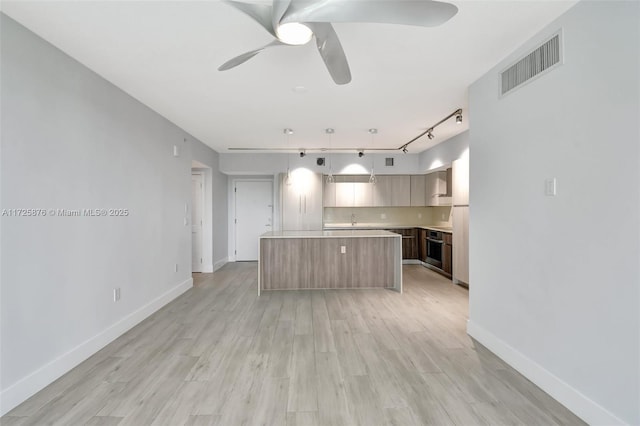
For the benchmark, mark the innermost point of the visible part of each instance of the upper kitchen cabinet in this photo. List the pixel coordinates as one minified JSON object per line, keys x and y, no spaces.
{"x":418,"y":191}
{"x":329,"y":193}
{"x":436,"y":189}
{"x":392,"y":191}
{"x":349,"y":191}
{"x":363,"y":193}
{"x":460,"y":180}
{"x":301,"y":199}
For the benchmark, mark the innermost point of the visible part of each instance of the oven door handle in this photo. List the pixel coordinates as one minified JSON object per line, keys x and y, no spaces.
{"x":436,"y":241}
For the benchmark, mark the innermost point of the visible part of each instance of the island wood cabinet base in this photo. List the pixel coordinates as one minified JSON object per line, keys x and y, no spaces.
{"x":330,"y":263}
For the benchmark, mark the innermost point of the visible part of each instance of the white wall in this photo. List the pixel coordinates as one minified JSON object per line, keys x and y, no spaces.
{"x":216,"y":205}
{"x":71,"y":140}
{"x":556,"y":279}
{"x":444,"y":153}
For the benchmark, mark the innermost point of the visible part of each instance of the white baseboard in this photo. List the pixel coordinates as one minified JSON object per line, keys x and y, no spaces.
{"x":20,"y":391}
{"x":207,"y":269}
{"x":583,"y":407}
{"x":220,"y":263}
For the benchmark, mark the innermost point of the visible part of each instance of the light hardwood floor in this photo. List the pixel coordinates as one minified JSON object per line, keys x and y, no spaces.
{"x":219,"y":355}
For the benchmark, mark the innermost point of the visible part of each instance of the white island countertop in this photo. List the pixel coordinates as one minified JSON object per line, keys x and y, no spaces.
{"x":351,"y":233}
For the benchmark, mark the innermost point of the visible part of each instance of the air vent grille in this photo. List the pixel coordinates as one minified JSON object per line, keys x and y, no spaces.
{"x":388,"y":161}
{"x":536,"y":63}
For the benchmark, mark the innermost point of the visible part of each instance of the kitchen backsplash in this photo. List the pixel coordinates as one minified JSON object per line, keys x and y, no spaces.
{"x":437,"y":216}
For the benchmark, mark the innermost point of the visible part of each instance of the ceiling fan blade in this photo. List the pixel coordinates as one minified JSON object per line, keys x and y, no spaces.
{"x":331,"y":51}
{"x":279,"y":9}
{"x":261,"y":13}
{"x":425,"y":13}
{"x":241,"y":59}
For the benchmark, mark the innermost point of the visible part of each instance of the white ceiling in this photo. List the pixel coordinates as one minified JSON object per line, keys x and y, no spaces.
{"x":405,"y":79}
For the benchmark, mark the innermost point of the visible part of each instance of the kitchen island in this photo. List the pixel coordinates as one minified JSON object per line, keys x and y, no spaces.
{"x":343,"y":259}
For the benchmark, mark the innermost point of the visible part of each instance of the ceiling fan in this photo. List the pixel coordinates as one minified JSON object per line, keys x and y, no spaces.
{"x":295,"y":22}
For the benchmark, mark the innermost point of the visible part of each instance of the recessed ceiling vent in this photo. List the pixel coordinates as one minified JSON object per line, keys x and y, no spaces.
{"x":540,"y":61}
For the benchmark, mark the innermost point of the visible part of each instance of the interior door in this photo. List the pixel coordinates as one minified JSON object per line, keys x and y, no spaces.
{"x":197,"y":206}
{"x":254,"y":216}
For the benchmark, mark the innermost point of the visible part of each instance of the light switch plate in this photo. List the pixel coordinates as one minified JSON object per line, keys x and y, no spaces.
{"x":550,"y":187}
{"x":343,"y":249}
{"x":383,"y":216}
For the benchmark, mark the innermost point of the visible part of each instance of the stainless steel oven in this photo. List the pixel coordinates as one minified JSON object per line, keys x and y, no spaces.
{"x":435,"y":245}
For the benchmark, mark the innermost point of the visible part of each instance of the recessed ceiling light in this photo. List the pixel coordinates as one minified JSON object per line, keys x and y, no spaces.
{"x":294,"y":33}
{"x":300,"y":89}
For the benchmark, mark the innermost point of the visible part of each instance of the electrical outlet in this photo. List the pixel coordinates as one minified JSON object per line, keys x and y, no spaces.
{"x":343,"y":249}
{"x":116,"y":294}
{"x":383,"y":216}
{"x":419,"y":215}
{"x":176,"y":151}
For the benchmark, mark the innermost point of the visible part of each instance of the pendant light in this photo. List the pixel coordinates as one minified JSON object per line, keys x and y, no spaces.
{"x":287,"y":179}
{"x":330,"y":179}
{"x":372,"y":179}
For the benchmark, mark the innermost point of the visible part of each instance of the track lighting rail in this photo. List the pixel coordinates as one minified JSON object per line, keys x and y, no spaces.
{"x":404,"y":147}
{"x":429,"y":132}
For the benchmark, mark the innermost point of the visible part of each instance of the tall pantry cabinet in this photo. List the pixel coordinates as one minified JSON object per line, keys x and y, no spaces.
{"x":301,"y":202}
{"x":460,"y":202}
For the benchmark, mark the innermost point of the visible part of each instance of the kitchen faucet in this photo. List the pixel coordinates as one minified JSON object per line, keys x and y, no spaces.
{"x":353,"y":219}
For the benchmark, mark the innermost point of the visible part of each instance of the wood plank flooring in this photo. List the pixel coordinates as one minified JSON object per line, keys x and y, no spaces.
{"x":220,"y":355}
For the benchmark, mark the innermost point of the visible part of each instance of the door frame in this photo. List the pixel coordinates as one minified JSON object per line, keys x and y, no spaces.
{"x":203,"y":266}
{"x":232,"y":208}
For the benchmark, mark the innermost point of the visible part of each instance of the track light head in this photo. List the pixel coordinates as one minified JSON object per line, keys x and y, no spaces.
{"x":459,"y":118}
{"x":303,"y":153}
{"x":405,"y":150}
{"x":329,"y":130}
{"x":373,"y":131}
{"x":430,"y":134}
{"x":361,"y":153}
{"x":288,"y":131}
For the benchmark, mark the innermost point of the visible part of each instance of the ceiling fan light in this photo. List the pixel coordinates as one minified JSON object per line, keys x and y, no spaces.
{"x":294,"y":33}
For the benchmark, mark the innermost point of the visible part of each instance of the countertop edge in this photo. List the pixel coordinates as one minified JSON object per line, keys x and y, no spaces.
{"x":385,"y":227}
{"x":339,"y":233}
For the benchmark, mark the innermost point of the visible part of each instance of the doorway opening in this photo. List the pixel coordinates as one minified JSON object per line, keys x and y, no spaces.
{"x":201,"y":213}
{"x":197,"y":216}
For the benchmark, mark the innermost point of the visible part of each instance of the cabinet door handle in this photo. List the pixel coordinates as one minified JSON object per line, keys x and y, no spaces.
{"x":299,"y":203}
{"x":305,"y":204}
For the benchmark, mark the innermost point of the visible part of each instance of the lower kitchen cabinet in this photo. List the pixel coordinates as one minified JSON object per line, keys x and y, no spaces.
{"x":422,"y":244}
{"x":447,"y":253}
{"x":410,"y":243}
{"x":410,"y":248}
